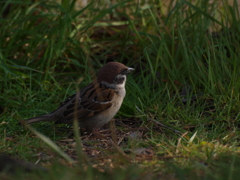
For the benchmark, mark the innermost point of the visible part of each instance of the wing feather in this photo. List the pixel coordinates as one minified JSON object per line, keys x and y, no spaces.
{"x":88,"y":102}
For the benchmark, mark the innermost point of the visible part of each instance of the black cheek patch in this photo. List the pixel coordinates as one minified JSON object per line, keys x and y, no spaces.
{"x":119,"y":80}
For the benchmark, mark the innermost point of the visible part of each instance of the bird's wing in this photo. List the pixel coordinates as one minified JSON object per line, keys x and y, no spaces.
{"x":88,"y":102}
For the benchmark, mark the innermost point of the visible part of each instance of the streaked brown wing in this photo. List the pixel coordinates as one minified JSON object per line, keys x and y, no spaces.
{"x":91,"y":100}
{"x":62,"y":104}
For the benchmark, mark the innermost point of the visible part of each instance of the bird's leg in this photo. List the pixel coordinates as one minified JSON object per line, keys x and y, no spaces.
{"x":113,"y":130}
{"x":98,"y":134}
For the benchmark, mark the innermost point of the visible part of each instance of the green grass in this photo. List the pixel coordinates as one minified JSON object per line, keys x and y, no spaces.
{"x":186,"y":77}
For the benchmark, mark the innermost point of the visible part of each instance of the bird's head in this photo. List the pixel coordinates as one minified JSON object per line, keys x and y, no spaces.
{"x":113,"y":74}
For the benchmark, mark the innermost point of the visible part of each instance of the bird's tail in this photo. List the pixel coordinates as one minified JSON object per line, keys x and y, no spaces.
{"x":46,"y":117}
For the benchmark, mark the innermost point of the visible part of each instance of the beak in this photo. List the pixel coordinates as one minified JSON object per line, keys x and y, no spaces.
{"x":129,"y":70}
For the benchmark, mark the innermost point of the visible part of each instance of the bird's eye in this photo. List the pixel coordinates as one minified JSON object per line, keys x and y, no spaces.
{"x":124,"y":71}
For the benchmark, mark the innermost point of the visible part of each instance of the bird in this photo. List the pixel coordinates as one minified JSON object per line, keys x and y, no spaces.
{"x":97,"y":103}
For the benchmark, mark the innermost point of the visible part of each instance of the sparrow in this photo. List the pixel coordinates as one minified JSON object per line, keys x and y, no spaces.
{"x":97,"y":103}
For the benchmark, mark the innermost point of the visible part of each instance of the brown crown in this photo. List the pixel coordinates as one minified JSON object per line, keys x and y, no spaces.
{"x":108,"y":72}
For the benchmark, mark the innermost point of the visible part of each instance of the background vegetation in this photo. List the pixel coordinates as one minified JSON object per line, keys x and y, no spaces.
{"x":186,"y":56}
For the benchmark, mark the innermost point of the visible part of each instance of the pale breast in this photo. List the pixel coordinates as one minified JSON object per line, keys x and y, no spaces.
{"x":108,"y":114}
